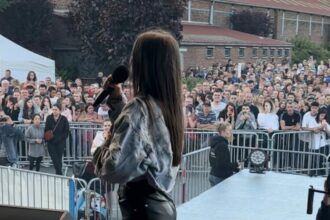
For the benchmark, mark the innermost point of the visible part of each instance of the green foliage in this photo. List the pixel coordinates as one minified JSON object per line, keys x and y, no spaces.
{"x":108,"y":29}
{"x":28,"y":23}
{"x":68,"y":73}
{"x":257,"y":23}
{"x":304,"y":48}
{"x":4,"y":4}
{"x":191,"y":82}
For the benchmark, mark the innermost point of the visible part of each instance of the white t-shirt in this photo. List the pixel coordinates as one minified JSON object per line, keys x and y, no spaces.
{"x":268,"y":121}
{"x":98,"y":141}
{"x":314,"y":140}
{"x":102,"y":113}
{"x":218,"y":108}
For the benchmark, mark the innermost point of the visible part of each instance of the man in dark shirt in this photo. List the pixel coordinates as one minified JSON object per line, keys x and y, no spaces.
{"x":289,"y":121}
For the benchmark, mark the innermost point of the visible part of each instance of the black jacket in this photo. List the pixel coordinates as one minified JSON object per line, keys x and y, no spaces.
{"x":62,"y":130}
{"x":324,"y":212}
{"x":220,"y":158}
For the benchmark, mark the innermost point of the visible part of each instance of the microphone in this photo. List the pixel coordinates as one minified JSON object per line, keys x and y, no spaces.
{"x":120,"y":75}
{"x":310,"y":199}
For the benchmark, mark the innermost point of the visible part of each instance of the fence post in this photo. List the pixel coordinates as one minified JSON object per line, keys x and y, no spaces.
{"x":72,"y":195}
{"x":184,"y":179}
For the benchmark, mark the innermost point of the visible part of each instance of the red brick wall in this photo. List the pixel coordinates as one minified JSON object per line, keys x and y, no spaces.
{"x":200,"y":13}
{"x":197,"y":56}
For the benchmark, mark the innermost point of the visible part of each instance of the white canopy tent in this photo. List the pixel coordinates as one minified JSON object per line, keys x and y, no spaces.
{"x":20,"y":61}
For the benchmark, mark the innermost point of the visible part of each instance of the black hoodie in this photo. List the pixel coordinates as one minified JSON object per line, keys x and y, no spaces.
{"x":220,"y":158}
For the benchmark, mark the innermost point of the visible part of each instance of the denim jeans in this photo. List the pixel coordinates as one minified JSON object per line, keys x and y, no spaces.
{"x":214,"y":180}
{"x":8,"y":138}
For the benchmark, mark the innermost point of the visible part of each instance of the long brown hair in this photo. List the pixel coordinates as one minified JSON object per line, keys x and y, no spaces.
{"x":156,"y":72}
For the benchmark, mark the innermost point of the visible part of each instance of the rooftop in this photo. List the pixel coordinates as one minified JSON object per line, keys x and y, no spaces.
{"x":317,"y":7}
{"x":198,"y":34}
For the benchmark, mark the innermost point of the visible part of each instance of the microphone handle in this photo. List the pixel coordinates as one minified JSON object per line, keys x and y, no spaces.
{"x":310,"y":200}
{"x":102,"y":96}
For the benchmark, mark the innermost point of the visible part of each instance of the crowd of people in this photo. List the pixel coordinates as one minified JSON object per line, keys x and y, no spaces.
{"x":268,"y":96}
{"x":56,"y":104}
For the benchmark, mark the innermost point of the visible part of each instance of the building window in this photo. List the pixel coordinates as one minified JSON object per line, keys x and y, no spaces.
{"x":210,"y":52}
{"x":265,"y":52}
{"x":272,"y":52}
{"x":241,"y":52}
{"x":286,"y":52}
{"x":279,"y":52}
{"x":254,"y":52}
{"x":227,"y":52}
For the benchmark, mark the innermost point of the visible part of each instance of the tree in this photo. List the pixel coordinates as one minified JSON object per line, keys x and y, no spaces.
{"x":107,"y":29}
{"x":257,"y":23}
{"x":303,"y":48}
{"x":28,"y":23}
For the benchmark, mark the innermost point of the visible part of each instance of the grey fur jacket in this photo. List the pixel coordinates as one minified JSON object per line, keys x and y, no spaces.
{"x":140,"y":148}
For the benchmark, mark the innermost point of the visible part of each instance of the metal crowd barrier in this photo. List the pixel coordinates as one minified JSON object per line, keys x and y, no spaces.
{"x":192,"y":179}
{"x":32,"y":189}
{"x":288,"y":151}
{"x":78,"y":143}
{"x":294,"y":152}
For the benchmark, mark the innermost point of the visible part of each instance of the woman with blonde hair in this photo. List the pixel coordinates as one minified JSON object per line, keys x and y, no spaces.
{"x":147,"y":140}
{"x":221,"y":167}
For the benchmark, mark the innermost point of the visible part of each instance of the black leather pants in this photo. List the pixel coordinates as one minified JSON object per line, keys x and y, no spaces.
{"x":138,"y":200}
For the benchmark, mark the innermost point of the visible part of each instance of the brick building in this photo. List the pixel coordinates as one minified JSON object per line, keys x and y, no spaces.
{"x":204,"y":45}
{"x":309,"y":18}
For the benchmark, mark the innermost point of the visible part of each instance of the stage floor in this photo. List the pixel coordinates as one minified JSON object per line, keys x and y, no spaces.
{"x":249,"y":196}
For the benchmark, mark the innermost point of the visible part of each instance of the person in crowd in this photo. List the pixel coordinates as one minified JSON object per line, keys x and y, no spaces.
{"x":249,"y":100}
{"x":79,"y":100}
{"x":52,"y":95}
{"x":267,"y":119}
{"x":59,"y":126}
{"x":7,"y":76}
{"x":66,"y":111}
{"x":90,"y":115}
{"x":290,"y":120}
{"x":190,"y":117}
{"x":325,"y":131}
{"x":153,"y":122}
{"x":7,"y":90}
{"x":11,"y":108}
{"x":324,"y":211}
{"x":101,"y":136}
{"x":79,"y":112}
{"x":219,"y":157}
{"x":206,"y":118}
{"x":103,"y":111}
{"x":31,"y":78}
{"x":46,"y":108}
{"x":42,"y":90}
{"x":34,"y":135}
{"x":229,"y":114}
{"x":8,"y":141}
{"x":217,"y":105}
{"x":245,"y":119}
{"x":282,"y":108}
{"x":27,"y":112}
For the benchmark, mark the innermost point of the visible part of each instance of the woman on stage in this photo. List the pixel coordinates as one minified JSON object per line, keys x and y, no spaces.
{"x":146,"y":146}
